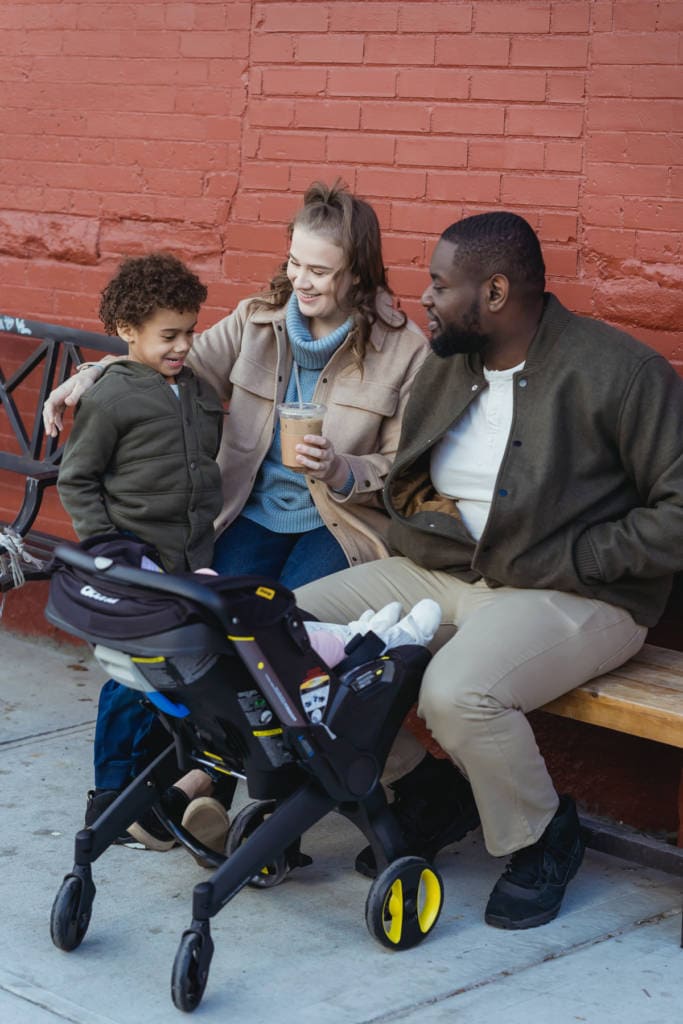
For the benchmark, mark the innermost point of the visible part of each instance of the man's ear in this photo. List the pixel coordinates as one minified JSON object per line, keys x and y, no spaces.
{"x":497,"y":292}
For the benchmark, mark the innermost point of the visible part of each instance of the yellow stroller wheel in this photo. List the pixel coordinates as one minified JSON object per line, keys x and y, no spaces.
{"x":404,"y":903}
{"x":244,"y":824}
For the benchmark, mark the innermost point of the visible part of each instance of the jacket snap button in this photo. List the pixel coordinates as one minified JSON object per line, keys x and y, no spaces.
{"x":523,"y":382}
{"x":475,"y":387}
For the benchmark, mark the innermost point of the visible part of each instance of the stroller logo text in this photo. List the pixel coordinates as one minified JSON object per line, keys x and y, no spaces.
{"x":88,"y":591}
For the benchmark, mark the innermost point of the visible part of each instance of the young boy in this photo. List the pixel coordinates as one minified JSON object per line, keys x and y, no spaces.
{"x":140,"y":460}
{"x":141,"y":455}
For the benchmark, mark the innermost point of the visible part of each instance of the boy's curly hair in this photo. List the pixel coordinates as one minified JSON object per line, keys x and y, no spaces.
{"x":145,"y":284}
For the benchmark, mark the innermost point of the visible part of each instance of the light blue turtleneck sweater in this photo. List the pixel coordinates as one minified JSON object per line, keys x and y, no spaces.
{"x":280,"y":499}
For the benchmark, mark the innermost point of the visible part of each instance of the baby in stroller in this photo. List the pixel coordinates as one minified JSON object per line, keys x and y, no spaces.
{"x":329,"y":640}
{"x":231,"y":669}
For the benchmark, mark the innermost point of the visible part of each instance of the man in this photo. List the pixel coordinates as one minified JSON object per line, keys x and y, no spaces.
{"x":537,"y":495}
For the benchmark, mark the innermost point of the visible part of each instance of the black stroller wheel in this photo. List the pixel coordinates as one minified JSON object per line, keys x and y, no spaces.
{"x":67,"y":926}
{"x":243,"y":825}
{"x":190,"y":972}
{"x":404,"y":903}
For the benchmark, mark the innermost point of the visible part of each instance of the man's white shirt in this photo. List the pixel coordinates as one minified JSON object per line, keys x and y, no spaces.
{"x":465,"y":462}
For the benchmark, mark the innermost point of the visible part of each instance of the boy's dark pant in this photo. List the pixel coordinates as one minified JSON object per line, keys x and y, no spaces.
{"x":128,"y":736}
{"x":125,"y":740}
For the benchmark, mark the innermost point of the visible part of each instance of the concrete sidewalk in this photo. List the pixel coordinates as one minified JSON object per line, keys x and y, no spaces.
{"x":300,"y":952}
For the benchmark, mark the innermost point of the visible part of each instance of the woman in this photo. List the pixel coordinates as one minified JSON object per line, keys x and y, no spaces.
{"x":329,"y":311}
{"x":326,"y":330}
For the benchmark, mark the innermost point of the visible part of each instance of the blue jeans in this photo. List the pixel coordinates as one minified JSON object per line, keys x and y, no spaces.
{"x":121,"y":736}
{"x":246,"y":548}
{"x":124,"y":741}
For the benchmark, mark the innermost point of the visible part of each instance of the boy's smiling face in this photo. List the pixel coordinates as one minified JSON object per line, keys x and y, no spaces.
{"x":162,"y":342}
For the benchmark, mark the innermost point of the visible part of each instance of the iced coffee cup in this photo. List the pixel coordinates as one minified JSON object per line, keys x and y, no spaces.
{"x":295,"y":422}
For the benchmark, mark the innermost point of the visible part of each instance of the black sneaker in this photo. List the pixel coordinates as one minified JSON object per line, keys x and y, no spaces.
{"x":530,"y":890}
{"x":98,"y":801}
{"x":434,"y":806}
{"x":148,"y":831}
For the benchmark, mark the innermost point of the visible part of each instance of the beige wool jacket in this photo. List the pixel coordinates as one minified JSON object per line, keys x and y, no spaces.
{"x":247,"y":359}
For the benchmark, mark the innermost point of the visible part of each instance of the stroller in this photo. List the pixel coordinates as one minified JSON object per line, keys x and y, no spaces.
{"x":228,"y":666}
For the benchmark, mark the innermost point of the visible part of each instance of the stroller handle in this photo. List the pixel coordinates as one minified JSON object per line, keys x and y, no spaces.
{"x":160,"y":582}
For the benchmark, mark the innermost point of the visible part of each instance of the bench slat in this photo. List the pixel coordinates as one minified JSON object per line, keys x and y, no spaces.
{"x":664,"y":657}
{"x":637,"y":721}
{"x":636,"y":677}
{"x":646,"y":694}
{"x":651,"y":657}
{"x":643,"y":698}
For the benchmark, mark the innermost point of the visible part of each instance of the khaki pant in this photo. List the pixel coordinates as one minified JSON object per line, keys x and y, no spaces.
{"x":499,"y":654}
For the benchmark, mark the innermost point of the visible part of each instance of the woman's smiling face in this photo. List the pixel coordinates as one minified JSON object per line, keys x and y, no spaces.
{"x":318,"y":274}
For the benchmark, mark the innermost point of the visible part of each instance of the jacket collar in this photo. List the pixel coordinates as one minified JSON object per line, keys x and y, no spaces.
{"x":132,"y":367}
{"x":453,"y":383}
{"x":553,"y":321}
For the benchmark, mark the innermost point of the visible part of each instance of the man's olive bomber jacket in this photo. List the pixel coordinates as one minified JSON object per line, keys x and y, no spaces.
{"x":589,"y":496}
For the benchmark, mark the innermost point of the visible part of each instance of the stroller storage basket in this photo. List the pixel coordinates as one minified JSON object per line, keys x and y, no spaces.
{"x":257,"y":701}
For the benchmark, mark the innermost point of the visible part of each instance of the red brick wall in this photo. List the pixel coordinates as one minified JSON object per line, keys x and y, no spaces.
{"x":195,"y":127}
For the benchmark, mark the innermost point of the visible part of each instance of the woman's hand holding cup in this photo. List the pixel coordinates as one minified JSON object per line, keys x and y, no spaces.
{"x":305,"y":449}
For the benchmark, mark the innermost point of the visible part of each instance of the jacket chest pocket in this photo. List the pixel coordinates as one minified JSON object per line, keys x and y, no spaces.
{"x":210,"y":426}
{"x":357,"y":409}
{"x":251,"y":404}
{"x":369,"y":395}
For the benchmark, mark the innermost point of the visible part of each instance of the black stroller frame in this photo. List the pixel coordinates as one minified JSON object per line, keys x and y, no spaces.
{"x":260,"y":705}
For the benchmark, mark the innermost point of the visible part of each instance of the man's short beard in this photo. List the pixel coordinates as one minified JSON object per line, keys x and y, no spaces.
{"x":465,"y":339}
{"x":457,"y":340}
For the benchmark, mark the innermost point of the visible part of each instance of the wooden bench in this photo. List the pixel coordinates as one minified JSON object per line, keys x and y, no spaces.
{"x":43,"y":356}
{"x":644,"y":697}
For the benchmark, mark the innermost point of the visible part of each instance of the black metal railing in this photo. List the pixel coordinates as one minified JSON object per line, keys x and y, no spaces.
{"x":55,"y":351}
